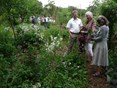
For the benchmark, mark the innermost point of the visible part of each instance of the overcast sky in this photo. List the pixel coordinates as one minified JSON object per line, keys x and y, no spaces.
{"x":83,"y":4}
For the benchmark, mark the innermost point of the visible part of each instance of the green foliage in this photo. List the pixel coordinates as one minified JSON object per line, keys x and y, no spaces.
{"x":63,"y":16}
{"x":95,"y":7}
{"x":26,"y":36}
{"x":115,"y":1}
{"x":113,"y":65}
{"x":54,"y":31}
{"x":107,"y":8}
{"x":19,"y":70}
{"x":34,"y":7}
{"x":37,"y":68}
{"x":61,"y":72}
{"x":49,"y":9}
{"x":15,"y":9}
{"x":7,"y":47}
{"x":73,"y":67}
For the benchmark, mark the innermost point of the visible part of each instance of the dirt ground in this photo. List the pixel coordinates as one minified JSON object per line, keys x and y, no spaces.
{"x":96,"y":82}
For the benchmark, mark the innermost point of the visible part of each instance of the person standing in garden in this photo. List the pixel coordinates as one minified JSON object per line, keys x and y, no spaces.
{"x":100,"y":58}
{"x":74,"y":25}
{"x":33,"y":21}
{"x":39,"y":20}
{"x":91,"y":28}
{"x":45,"y":22}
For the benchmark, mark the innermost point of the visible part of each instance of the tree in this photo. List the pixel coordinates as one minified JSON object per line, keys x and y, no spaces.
{"x":95,"y":7}
{"x":35,"y":7}
{"x":109,"y":10}
{"x":50,"y":8}
{"x":14,"y":8}
{"x":63,"y":16}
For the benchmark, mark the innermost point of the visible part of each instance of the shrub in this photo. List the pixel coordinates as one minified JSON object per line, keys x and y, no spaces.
{"x":7,"y":47}
{"x":68,"y":72}
{"x":20,"y":70}
{"x":112,"y":64}
{"x":27,"y":36}
{"x":106,"y":9}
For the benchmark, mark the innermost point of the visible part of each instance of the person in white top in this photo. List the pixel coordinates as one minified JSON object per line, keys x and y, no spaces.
{"x":47,"y":22}
{"x":74,"y":25}
{"x":42,"y":19}
{"x":39,"y":20}
{"x":91,"y":28}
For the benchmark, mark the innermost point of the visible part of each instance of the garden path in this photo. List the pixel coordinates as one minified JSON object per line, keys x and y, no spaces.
{"x":96,"y":82}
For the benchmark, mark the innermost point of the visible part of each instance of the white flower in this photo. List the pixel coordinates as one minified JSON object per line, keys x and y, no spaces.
{"x":55,"y":38}
{"x":69,"y":63}
{"x":6,"y":28}
{"x":61,"y":39}
{"x":78,"y":66}
{"x":64,"y":63}
{"x":55,"y":43}
{"x":41,"y":35}
{"x":58,"y":43}
{"x":51,"y":37}
{"x":38,"y":85}
{"x":34,"y":86}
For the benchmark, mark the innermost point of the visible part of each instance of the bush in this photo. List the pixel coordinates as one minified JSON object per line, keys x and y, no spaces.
{"x":38,"y":68}
{"x":27,"y":36}
{"x":106,"y":9}
{"x":20,"y":70}
{"x":7,"y":47}
{"x":113,"y":65}
{"x":58,"y":72}
{"x":54,"y":31}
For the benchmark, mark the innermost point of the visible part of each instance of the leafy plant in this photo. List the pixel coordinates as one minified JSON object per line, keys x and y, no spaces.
{"x":113,"y":65}
{"x":26,"y":36}
{"x":107,"y":8}
{"x":7,"y":47}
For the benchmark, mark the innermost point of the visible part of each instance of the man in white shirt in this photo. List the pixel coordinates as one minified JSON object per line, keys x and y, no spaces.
{"x":74,"y":25}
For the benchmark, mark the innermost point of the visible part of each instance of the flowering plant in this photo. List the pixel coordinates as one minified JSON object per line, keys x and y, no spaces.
{"x":55,"y":43}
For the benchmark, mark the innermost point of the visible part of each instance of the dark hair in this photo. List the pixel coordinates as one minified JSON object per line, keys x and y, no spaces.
{"x":102,"y":20}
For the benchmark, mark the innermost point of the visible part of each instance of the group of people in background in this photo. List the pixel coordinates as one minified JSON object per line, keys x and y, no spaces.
{"x":42,"y":20}
{"x":91,"y":38}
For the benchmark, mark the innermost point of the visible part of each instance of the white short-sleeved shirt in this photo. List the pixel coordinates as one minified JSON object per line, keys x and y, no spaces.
{"x":47,"y":19}
{"x":74,"y":25}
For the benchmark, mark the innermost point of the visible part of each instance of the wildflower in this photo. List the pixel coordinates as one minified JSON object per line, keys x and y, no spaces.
{"x":55,"y":38}
{"x":78,"y":66}
{"x":61,"y":39}
{"x":69,"y":63}
{"x":55,"y":43}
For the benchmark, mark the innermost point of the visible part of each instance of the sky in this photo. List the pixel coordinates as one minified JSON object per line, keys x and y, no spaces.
{"x":82,"y":4}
